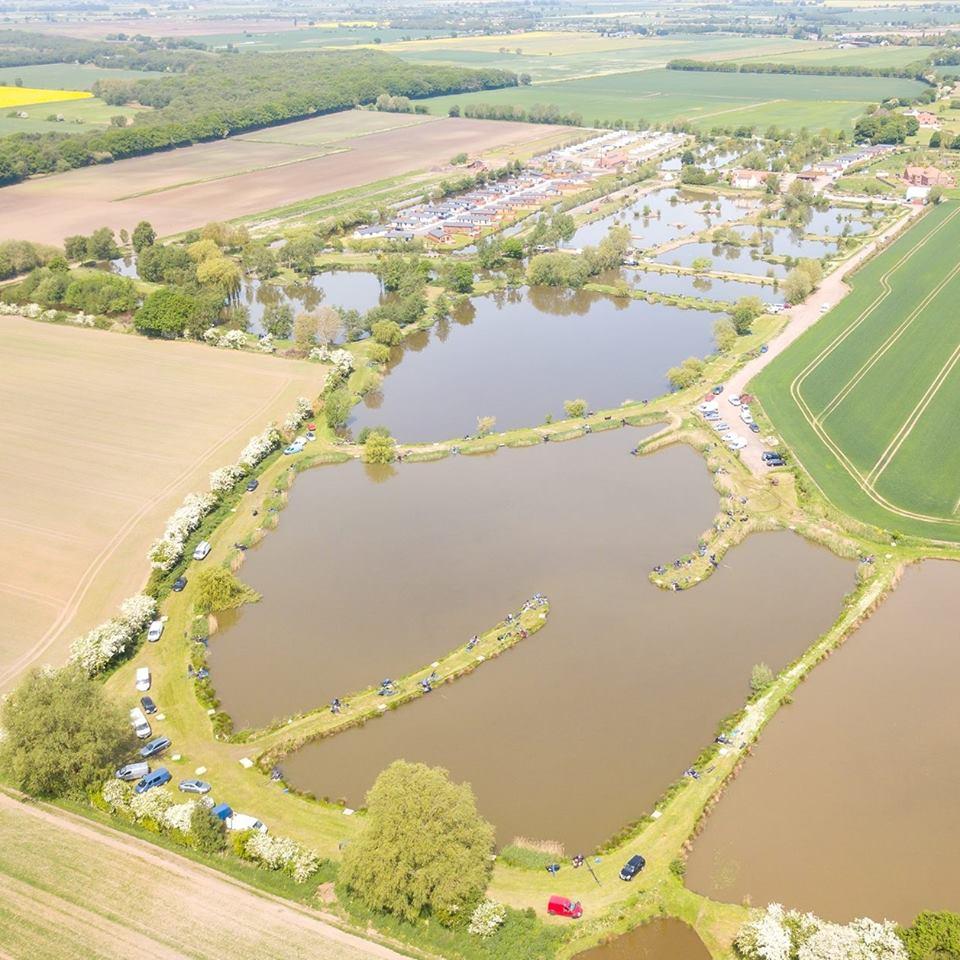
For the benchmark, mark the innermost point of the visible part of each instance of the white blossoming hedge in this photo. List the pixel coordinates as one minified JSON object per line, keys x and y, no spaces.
{"x":488,"y":917}
{"x":223,"y":479}
{"x":228,"y":339}
{"x":96,"y":649}
{"x":342,"y":360}
{"x":780,"y":934}
{"x":168,"y":549}
{"x":282,"y":853}
{"x":302,"y":411}
{"x":259,"y":447}
{"x":33,"y":311}
{"x":157,"y":809}
{"x":265,"y":344}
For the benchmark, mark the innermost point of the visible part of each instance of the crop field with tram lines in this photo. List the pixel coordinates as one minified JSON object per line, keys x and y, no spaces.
{"x":867,"y":399}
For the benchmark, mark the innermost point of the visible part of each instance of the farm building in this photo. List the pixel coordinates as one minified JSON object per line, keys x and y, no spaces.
{"x":928,"y":177}
{"x":748,"y":179}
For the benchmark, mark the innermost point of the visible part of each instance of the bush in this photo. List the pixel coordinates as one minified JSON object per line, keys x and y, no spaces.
{"x":387,"y":332}
{"x":166,"y":312}
{"x":379,"y":447}
{"x":336,"y":408}
{"x":761,"y":678}
{"x":218,"y":589}
{"x":575,"y":408}
{"x":209,"y":832}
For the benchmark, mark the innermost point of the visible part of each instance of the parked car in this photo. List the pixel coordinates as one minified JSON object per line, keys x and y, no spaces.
{"x":564,"y":907}
{"x":824,"y":307}
{"x":770,"y":455}
{"x":149,"y":707}
{"x":133,"y":771}
{"x":746,"y":416}
{"x":143,"y":679}
{"x":156,"y":631}
{"x":139,"y":723}
{"x":179,"y":584}
{"x":222,"y":811}
{"x":252,"y":484}
{"x":755,"y":427}
{"x":203,"y":548}
{"x":158,"y":778}
{"x":734,"y":400}
{"x":763,"y":348}
{"x":632,"y":867}
{"x":721,"y":425}
{"x":778,"y":462}
{"x":194,"y":786}
{"x":717,"y":390}
{"x":295,"y":447}
{"x":243,"y":821}
{"x":154,"y":747}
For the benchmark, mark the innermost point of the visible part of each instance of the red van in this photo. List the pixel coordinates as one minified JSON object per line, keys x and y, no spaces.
{"x":562,"y":907}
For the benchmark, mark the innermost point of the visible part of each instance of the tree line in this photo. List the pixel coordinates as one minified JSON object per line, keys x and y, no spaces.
{"x":234,"y":93}
{"x":538,"y":113}
{"x":915,"y":72}
{"x":22,"y":48}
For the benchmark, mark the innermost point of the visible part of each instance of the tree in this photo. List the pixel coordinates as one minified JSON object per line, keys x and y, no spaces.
{"x":724,"y":334}
{"x":165,"y":312}
{"x":220,"y":272}
{"x":62,"y":734}
{"x":934,"y":935}
{"x":75,"y":247}
{"x":457,"y":276}
{"x":575,"y":408}
{"x":278,"y":320}
{"x":387,"y":332}
{"x":701,"y":264}
{"x":745,"y":311}
{"x":207,"y":830}
{"x":935,"y":139}
{"x":425,"y":851}
{"x":336,"y":408}
{"x":485,"y":425}
{"x":761,"y":677}
{"x":102,"y":245}
{"x":687,"y":374}
{"x":216,"y":588}
{"x":328,"y":324}
{"x":935,"y":195}
{"x":796,"y":286}
{"x":379,"y":447}
{"x":305,"y":332}
{"x":143,"y":236}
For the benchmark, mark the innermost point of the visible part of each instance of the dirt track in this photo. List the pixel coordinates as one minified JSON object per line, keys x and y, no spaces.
{"x":60,"y":877}
{"x":241,"y":176}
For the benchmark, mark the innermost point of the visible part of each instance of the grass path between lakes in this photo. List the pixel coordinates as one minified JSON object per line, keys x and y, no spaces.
{"x":864,"y":399}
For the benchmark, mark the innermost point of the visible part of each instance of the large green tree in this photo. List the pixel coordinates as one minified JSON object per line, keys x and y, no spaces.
{"x":166,"y":312}
{"x":425,"y":850}
{"x":933,"y":936}
{"x":62,"y":734}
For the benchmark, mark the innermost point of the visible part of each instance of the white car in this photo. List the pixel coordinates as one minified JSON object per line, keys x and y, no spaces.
{"x":708,"y":407}
{"x":203,"y":548}
{"x":746,"y":416}
{"x":243,"y":821}
{"x":721,"y":426}
{"x":141,"y":727}
{"x":156,"y":631}
{"x":737,"y":444}
{"x":730,"y":437}
{"x":734,"y":400}
{"x":824,"y":307}
{"x":143,"y":679}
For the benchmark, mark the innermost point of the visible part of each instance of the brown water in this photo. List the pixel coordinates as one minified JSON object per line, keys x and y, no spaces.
{"x":850,"y":805}
{"x":578,"y":729}
{"x":658,"y":940}
{"x":518,"y":355}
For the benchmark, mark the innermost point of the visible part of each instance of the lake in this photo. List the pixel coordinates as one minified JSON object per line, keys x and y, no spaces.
{"x":373,"y":572}
{"x":517,"y":355}
{"x":849,"y":806}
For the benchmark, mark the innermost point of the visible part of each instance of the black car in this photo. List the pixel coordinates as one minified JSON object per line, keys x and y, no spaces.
{"x":252,"y":484}
{"x":771,"y":455}
{"x":148,"y":705}
{"x":632,"y":867}
{"x":755,"y":427}
{"x":179,"y":584}
{"x":775,"y":462}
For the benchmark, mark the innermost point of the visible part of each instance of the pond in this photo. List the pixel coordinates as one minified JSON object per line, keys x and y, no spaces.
{"x":667,"y":939}
{"x":518,"y":355}
{"x":672,"y":214}
{"x":349,"y":289}
{"x":833,"y":221}
{"x":374,"y":572}
{"x":713,"y":288}
{"x":784,"y":242}
{"x":723,"y":258}
{"x":851,"y":796}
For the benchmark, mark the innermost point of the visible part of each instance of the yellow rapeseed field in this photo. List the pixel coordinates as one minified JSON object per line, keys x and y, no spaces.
{"x":27,"y":96}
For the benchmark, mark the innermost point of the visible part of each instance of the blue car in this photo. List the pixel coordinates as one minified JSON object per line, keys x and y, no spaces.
{"x":154,"y":747}
{"x":158,"y":778}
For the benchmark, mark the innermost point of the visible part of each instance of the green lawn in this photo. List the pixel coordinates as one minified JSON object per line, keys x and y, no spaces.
{"x":77,"y":116}
{"x":831,"y":56}
{"x":707,"y":99}
{"x":866,"y":399}
{"x":65,"y":76}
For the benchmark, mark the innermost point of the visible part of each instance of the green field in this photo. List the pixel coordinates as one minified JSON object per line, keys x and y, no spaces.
{"x":309,"y":38}
{"x":867,"y":398}
{"x":706,"y":99}
{"x":65,"y":76}
{"x":831,"y":56}
{"x":78,"y":115}
{"x":558,"y":56}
